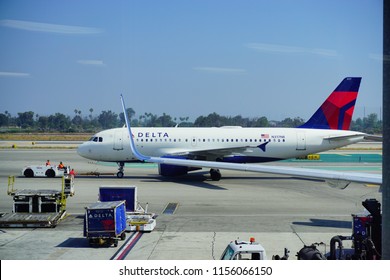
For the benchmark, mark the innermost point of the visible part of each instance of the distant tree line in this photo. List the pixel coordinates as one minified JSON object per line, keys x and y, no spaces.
{"x":29,"y":121}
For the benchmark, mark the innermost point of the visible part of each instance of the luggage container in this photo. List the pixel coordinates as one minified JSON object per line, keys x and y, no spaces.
{"x":105,"y":223}
{"x":137,"y":217}
{"x":116,"y":193}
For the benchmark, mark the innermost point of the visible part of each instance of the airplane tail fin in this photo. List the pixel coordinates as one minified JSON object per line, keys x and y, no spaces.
{"x":337,"y":110}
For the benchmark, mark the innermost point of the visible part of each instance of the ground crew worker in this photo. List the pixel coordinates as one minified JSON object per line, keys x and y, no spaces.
{"x":47,"y":162}
{"x":72,"y":173}
{"x":61,"y":165}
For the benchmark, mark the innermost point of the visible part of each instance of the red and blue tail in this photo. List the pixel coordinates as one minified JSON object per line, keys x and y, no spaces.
{"x":337,"y":110}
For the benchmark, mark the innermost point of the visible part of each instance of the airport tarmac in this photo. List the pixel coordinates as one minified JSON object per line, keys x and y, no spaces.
{"x":279,"y":211}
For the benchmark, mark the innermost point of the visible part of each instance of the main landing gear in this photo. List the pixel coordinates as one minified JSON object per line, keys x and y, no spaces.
{"x":215,"y":174}
{"x":120,"y":169}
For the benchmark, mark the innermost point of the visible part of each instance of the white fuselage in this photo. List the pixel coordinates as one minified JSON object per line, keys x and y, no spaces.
{"x":233,"y":144}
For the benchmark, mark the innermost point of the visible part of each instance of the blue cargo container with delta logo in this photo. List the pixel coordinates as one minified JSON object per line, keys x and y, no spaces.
{"x":116,"y":193}
{"x":105,"y":223}
{"x":138,"y":218}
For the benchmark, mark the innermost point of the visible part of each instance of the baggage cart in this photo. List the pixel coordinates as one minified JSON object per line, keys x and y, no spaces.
{"x":105,"y":223}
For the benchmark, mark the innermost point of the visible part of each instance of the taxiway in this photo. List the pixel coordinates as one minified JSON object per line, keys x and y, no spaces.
{"x":279,"y":211}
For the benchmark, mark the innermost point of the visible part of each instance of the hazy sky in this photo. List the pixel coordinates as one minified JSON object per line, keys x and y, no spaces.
{"x":188,"y":58}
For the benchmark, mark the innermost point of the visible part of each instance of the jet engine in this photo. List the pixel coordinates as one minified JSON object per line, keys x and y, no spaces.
{"x":174,"y":170}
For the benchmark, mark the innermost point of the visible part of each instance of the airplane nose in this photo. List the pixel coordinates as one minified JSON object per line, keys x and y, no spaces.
{"x":83,"y":150}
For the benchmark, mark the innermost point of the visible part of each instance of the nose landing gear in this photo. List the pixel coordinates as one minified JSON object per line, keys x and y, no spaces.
{"x":120,"y":169}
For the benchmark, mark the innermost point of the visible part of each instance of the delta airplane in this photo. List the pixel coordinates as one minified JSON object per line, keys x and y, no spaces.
{"x":179,"y":150}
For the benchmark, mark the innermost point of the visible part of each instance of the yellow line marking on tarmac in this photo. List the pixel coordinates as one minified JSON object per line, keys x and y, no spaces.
{"x":371,"y":185}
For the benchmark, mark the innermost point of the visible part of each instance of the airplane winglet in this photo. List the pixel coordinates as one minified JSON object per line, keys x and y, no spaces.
{"x":134,"y":150}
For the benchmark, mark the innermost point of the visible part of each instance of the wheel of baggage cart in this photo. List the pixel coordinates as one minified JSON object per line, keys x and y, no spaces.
{"x":28,"y":173}
{"x":50,"y":173}
{"x":123,"y":236}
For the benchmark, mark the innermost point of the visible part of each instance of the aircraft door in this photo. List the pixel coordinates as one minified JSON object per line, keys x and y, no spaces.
{"x":118,"y":140}
{"x":301,"y":141}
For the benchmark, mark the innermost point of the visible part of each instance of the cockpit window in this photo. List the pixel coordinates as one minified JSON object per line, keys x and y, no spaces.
{"x":96,"y":139}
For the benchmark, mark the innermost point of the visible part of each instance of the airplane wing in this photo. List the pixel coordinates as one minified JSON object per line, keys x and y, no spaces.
{"x":213,"y":153}
{"x":336,"y":179}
